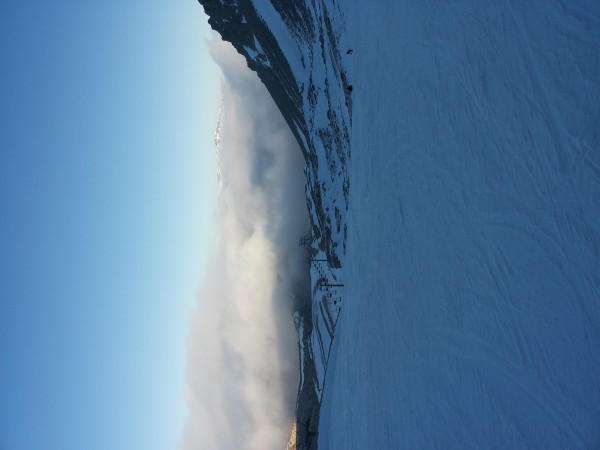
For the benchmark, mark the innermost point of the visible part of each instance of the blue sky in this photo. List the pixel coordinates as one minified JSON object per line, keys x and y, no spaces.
{"x":107,"y":219}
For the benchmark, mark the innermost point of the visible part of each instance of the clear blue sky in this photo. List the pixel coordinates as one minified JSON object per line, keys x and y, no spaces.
{"x":107,"y":208}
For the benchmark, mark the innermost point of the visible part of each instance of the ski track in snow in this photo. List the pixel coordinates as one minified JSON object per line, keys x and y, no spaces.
{"x":471,"y":314}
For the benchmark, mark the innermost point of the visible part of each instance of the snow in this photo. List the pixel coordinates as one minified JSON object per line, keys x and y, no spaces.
{"x":282,"y":35}
{"x":326,"y":307}
{"x":471,"y":305}
{"x":258,"y":55}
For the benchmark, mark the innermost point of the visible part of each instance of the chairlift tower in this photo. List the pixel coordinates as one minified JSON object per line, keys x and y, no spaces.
{"x":306,"y":242}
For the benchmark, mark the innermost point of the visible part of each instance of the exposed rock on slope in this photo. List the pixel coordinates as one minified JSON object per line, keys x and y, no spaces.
{"x":239,"y":23}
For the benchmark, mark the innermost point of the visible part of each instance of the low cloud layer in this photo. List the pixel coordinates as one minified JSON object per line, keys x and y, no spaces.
{"x":242,"y":374}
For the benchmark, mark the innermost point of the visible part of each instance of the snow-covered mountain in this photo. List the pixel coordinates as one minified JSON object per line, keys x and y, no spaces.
{"x":295,"y":49}
{"x":464,"y":227}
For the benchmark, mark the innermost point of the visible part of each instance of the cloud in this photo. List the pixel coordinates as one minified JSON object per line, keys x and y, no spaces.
{"x":242,"y":370}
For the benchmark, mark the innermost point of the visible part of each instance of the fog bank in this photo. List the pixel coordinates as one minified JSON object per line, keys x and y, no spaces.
{"x":242,"y":370}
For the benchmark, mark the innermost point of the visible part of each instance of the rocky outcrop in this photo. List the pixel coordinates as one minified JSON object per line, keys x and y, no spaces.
{"x":238,"y":22}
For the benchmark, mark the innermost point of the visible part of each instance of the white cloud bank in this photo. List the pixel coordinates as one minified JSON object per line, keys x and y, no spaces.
{"x":242,"y":370}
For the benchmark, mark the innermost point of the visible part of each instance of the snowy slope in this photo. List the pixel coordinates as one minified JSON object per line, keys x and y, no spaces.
{"x":471,"y":317}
